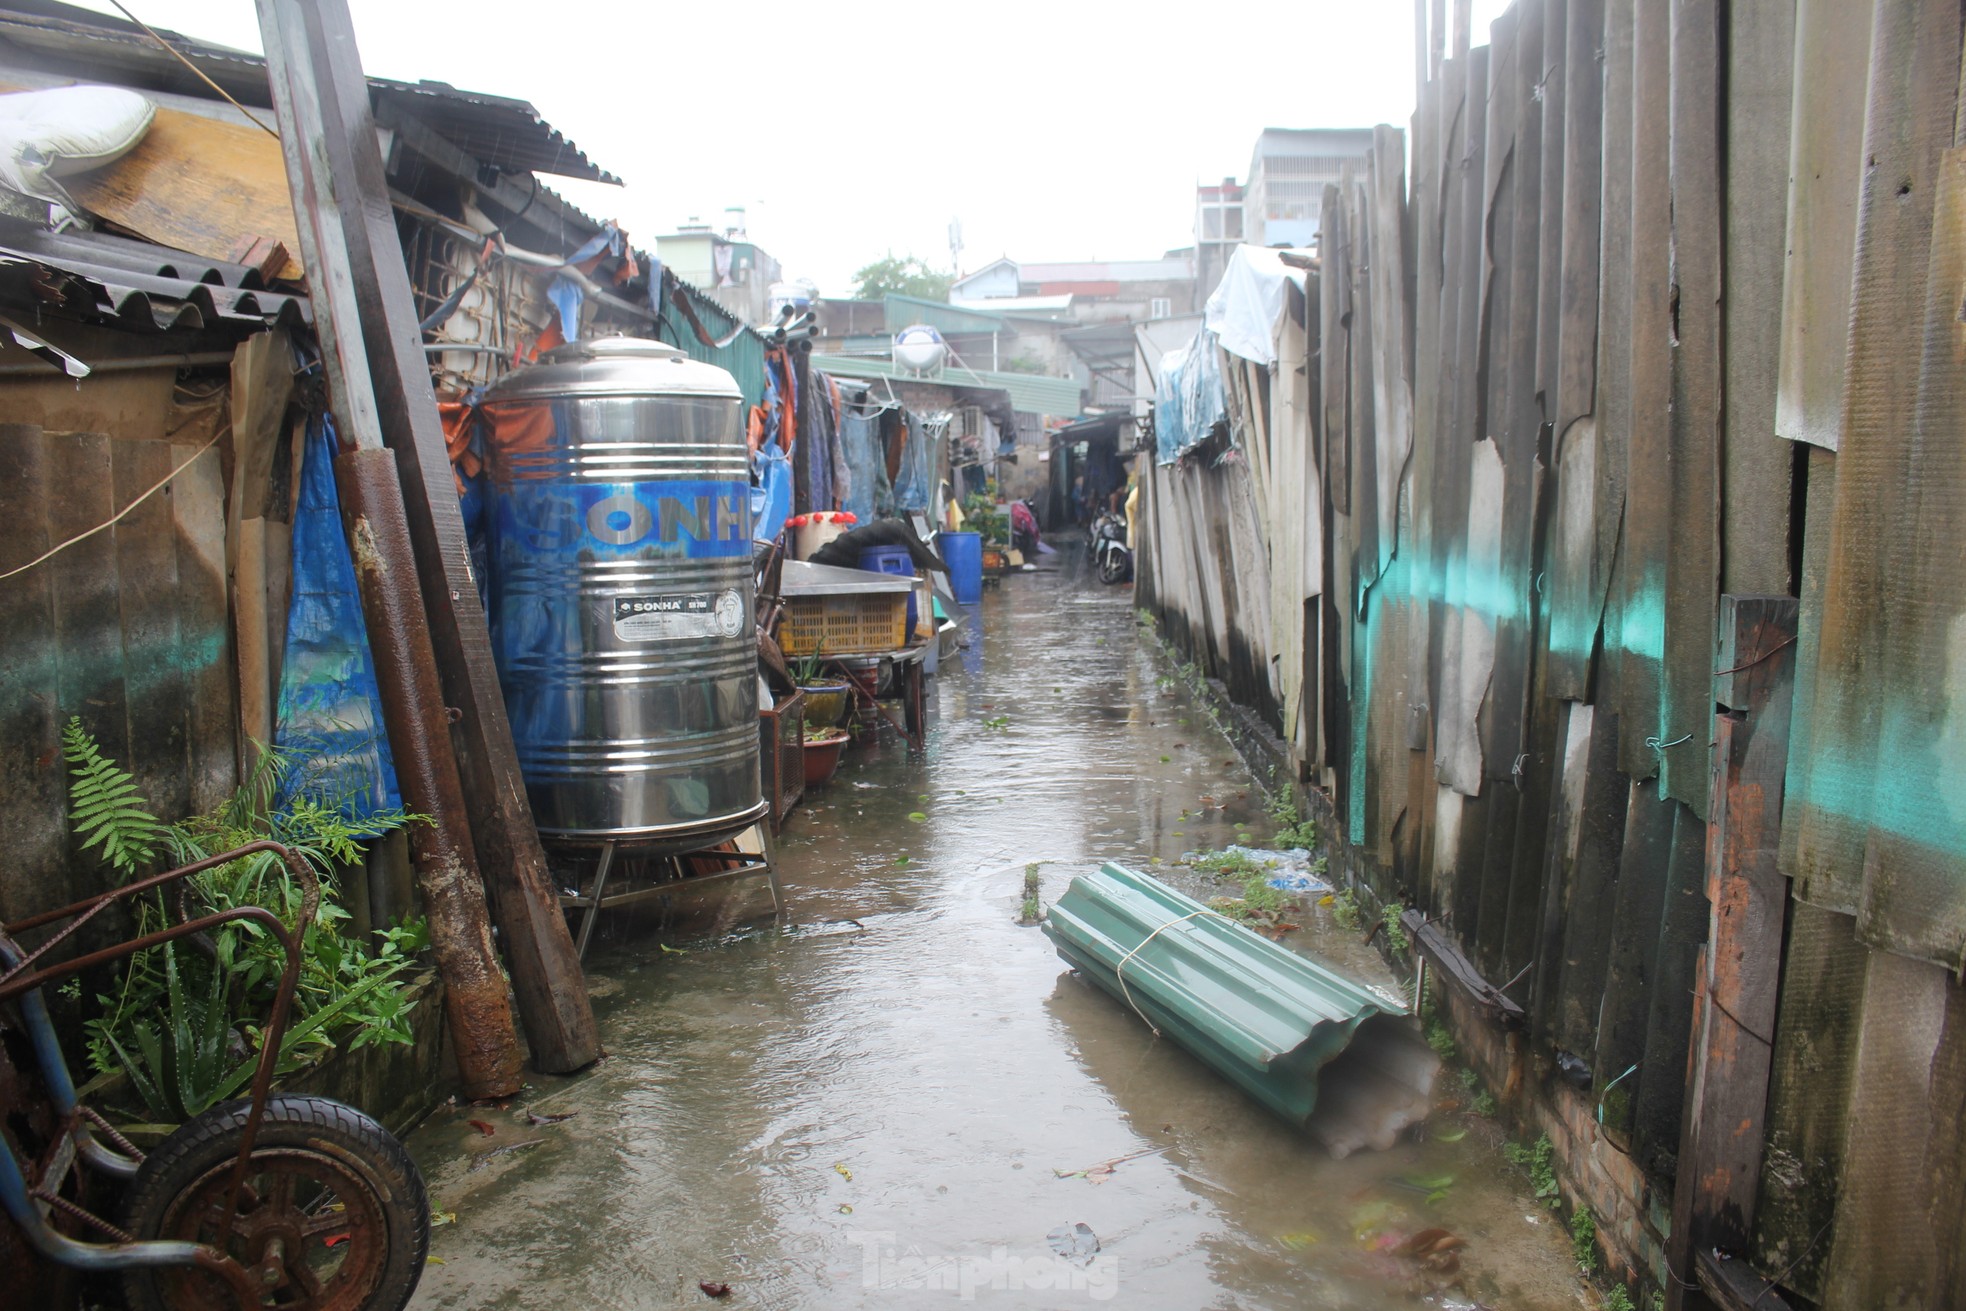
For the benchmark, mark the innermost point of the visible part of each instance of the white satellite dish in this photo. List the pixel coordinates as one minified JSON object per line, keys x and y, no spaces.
{"x":919,"y":348}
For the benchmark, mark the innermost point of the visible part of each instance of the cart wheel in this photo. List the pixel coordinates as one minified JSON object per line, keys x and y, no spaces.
{"x":332,"y":1216}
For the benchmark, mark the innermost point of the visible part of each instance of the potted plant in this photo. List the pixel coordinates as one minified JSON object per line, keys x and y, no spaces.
{"x":980,"y":512}
{"x":826,"y":696}
{"x":822,"y":753}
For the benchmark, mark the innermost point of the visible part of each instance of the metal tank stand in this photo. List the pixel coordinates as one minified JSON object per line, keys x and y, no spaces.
{"x":643,"y":878}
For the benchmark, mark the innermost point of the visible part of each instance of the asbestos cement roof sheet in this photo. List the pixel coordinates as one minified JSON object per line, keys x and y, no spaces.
{"x":139,"y":286}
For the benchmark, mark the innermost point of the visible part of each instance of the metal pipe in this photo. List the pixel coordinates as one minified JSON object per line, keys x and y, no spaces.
{"x":189,"y":360}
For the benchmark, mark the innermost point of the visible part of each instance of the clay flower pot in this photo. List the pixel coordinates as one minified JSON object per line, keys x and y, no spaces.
{"x":822,"y":753}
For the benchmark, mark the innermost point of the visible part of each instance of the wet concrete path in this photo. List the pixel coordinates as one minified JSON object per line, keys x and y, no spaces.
{"x":873,"y":1106}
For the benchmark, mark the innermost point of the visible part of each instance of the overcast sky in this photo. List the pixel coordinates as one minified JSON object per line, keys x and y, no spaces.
{"x":1053,"y":131}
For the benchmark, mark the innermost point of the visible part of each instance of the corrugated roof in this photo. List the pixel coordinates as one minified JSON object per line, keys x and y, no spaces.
{"x":505,"y":133}
{"x":1030,"y":393}
{"x":138,"y":286}
{"x":1023,"y":307}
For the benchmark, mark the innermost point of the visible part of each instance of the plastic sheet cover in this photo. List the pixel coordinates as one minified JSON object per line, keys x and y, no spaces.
{"x":330,"y":717}
{"x":1188,"y":400}
{"x":1244,"y":309}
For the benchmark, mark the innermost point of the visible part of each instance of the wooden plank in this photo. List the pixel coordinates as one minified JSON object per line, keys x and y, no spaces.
{"x":197,"y":184}
{"x":1587,"y":71}
{"x":1612,"y":416}
{"x":1580,"y":984}
{"x":33,"y":776}
{"x":1637,"y":901}
{"x":1732,"y":1050}
{"x":1693,"y":447}
{"x":1647,"y":539}
{"x":1659,"y":1099}
{"x":546,"y":977}
{"x":1575,"y":597}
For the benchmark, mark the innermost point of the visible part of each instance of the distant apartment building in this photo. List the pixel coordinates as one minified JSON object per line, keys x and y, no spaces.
{"x":1218,"y":231}
{"x":1101,"y":291}
{"x":726,"y":265}
{"x":1288,"y":172}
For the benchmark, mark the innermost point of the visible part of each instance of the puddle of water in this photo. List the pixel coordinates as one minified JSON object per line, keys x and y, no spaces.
{"x":873,"y":1105}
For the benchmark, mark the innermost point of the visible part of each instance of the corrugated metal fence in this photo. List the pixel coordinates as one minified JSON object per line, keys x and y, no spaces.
{"x":1665,"y":322}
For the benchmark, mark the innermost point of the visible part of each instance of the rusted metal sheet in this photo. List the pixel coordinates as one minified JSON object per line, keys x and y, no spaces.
{"x":1831,"y":73}
{"x":1836,"y":801}
{"x":125,"y":627}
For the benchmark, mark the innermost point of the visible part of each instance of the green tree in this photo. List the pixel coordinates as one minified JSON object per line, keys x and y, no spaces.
{"x":901,"y":275}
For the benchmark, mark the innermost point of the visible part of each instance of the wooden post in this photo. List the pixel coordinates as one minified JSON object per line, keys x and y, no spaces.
{"x":1737,"y":988}
{"x":355,"y":264}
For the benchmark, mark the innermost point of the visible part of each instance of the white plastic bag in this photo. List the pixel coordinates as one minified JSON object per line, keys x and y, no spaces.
{"x":49,"y":135}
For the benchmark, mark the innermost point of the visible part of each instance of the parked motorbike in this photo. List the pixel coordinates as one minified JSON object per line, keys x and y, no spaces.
{"x":300,"y":1200}
{"x":1109,"y":550}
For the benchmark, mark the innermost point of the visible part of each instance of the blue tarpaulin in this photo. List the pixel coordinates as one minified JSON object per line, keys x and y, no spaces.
{"x":330,"y":718}
{"x":1188,"y":399}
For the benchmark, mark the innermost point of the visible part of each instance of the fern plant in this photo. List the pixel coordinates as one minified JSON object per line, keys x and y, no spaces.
{"x":105,"y":806}
{"x":183,"y":1026}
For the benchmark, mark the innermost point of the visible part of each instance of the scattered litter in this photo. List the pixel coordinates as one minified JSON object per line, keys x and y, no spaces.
{"x":488,"y":1157}
{"x":1100,"y":1173}
{"x":668,"y":950}
{"x":1449,"y":1135}
{"x":440,"y":1218}
{"x":534,"y":1118}
{"x":845,"y":1209}
{"x":1292,"y":868}
{"x":481,"y":1127}
{"x":1297,"y":1242}
{"x":433,"y":1260}
{"x":844,"y":1173}
{"x":713,"y":1290}
{"x":901,"y":860}
{"x":1075,"y":1242}
{"x":917,"y":816}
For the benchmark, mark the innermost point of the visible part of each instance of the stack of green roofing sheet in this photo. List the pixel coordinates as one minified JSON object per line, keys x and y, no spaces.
{"x":1343,"y":1061}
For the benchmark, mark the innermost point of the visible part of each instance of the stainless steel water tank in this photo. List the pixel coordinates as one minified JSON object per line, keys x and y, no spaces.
{"x":621,"y":593}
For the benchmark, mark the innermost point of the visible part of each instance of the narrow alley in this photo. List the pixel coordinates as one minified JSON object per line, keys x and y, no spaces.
{"x":874,"y":1104}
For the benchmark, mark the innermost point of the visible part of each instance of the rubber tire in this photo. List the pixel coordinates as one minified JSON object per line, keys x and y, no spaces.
{"x":1114,"y":567}
{"x":327,"y":1126}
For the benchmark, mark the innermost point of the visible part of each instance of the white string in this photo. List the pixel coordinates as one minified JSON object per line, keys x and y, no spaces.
{"x":111,"y":522}
{"x":1119,"y":971}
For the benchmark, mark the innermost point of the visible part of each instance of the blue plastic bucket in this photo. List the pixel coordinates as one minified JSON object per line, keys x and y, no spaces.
{"x":963,"y":553}
{"x":892,"y":560}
